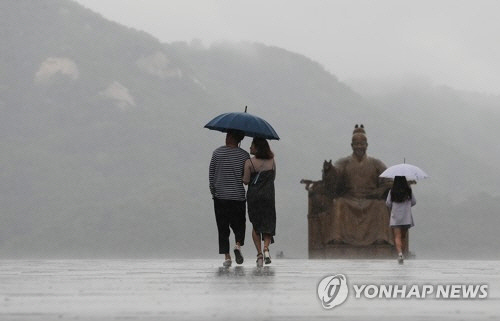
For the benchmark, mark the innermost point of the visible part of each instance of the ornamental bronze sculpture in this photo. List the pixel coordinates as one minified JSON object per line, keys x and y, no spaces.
{"x":347,"y":215}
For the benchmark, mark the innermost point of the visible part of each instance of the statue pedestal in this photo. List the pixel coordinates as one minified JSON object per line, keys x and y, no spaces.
{"x":319,"y":250}
{"x":347,"y":251}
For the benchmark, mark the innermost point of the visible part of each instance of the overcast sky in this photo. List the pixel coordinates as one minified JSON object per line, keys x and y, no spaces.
{"x":453,"y":43}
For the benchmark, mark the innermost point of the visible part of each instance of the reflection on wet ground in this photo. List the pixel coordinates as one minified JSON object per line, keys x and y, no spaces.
{"x":241,"y":271}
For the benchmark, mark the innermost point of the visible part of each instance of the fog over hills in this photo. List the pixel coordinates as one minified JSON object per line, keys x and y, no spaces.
{"x":104,"y":153}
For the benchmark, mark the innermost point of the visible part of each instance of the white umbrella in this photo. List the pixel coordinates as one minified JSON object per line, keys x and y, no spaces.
{"x":410,"y":171}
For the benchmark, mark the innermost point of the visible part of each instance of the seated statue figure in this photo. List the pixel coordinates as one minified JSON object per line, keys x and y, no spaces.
{"x":359,"y":215}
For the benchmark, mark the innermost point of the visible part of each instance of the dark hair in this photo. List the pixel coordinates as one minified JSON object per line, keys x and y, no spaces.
{"x":263,"y":151}
{"x":236,"y":134}
{"x":400,"y":191}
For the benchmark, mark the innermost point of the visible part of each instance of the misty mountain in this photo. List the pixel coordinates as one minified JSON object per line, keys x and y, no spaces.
{"x":105,"y":154}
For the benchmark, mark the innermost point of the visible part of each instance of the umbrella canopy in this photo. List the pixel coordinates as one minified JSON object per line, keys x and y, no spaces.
{"x":251,"y":125}
{"x":410,"y":171}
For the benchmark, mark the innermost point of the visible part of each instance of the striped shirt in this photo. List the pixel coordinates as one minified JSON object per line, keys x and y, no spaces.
{"x":226,"y":172}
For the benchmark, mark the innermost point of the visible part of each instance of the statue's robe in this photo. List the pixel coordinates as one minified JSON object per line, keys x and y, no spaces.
{"x":358,"y":215}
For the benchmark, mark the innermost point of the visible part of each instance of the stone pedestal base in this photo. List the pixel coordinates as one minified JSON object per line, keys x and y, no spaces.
{"x":346,"y":251}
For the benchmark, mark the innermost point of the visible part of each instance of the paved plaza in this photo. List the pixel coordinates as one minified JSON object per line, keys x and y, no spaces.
{"x":200,"y":289}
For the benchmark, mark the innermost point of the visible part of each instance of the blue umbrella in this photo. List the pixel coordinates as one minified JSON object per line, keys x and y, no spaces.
{"x":251,"y":125}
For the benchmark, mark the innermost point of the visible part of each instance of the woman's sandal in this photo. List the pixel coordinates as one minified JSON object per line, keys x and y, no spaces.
{"x":259,"y":260}
{"x":267,"y":257}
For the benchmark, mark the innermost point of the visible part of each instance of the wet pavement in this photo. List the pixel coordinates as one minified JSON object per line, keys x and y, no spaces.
{"x":201,"y":289}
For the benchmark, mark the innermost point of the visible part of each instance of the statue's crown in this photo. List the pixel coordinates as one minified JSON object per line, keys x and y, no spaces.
{"x":359,"y":129}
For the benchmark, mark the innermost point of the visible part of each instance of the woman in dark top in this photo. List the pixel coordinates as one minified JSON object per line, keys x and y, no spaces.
{"x":259,"y":175}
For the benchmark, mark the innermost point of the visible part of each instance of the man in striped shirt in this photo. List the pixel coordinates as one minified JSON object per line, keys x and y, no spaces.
{"x":228,"y":193}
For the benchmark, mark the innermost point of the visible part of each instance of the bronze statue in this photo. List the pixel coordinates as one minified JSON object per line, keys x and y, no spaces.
{"x":347,"y":207}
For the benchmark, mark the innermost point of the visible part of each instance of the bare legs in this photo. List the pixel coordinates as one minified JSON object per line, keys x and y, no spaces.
{"x":400,"y":239}
{"x":258,"y":242}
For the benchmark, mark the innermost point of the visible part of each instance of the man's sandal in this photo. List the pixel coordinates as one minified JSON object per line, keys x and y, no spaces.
{"x":237,"y":253}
